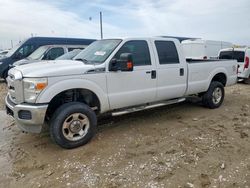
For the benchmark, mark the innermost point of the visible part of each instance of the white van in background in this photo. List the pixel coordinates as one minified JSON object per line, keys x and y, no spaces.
{"x":242,"y":56}
{"x":203,"y":49}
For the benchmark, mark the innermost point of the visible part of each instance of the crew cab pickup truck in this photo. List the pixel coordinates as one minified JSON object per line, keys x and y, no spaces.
{"x":114,"y":76}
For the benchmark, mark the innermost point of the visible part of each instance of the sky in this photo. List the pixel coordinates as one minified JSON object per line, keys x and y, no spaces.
{"x":224,"y":20}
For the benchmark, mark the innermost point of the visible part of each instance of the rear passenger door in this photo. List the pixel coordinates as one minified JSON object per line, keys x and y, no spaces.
{"x":135,"y":87}
{"x":171,"y":70}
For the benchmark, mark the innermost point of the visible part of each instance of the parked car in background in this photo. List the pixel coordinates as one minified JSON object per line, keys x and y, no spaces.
{"x":48,"y":52}
{"x":242,"y":56}
{"x":3,"y":53}
{"x":203,"y":49}
{"x":70,"y":55}
{"x":25,"y":48}
{"x":116,"y":76}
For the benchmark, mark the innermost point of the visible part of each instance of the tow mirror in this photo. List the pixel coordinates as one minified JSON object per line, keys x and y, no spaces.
{"x":124,"y":63}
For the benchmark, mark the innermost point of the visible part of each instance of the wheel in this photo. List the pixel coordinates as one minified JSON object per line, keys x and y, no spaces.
{"x":247,"y":80}
{"x":72,"y":125}
{"x":214,"y":96}
{"x":5,"y":75}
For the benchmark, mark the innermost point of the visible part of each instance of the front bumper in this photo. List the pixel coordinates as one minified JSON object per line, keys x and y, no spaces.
{"x":30,"y":118}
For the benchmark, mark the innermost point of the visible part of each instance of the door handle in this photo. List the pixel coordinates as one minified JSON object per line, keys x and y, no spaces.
{"x":181,"y":71}
{"x":153,"y":73}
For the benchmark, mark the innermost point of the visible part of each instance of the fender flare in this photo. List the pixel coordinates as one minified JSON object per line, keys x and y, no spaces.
{"x":215,"y":72}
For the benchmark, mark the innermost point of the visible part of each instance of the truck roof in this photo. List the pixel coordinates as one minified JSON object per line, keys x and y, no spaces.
{"x":57,"y":40}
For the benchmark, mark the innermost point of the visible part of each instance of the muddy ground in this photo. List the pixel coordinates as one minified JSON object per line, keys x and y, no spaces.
{"x":183,"y":145}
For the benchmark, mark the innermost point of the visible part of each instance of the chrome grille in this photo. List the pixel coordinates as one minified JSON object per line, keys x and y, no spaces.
{"x":11,"y":87}
{"x":15,"y":88}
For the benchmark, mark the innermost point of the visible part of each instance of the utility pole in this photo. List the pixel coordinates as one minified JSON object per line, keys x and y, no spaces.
{"x":101,"y":25}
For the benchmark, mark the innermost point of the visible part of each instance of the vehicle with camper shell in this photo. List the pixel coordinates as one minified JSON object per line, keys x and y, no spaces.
{"x":203,"y":49}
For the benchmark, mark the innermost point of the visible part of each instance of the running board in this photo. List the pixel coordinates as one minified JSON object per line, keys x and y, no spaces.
{"x":145,"y":107}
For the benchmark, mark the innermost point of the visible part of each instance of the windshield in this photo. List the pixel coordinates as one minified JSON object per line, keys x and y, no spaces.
{"x":98,"y":51}
{"x":38,"y":53}
{"x":14,"y":49}
{"x":69,"y":55}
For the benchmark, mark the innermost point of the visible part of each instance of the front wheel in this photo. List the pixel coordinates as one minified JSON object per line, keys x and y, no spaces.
{"x":72,"y":125}
{"x":214,"y":96}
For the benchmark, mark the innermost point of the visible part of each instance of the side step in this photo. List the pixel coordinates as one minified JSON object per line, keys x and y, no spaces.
{"x":154,"y":105}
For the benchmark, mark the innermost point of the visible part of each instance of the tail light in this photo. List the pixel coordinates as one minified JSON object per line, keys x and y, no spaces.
{"x":246,"y":65}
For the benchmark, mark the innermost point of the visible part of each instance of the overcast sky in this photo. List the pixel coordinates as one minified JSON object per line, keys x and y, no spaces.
{"x":227,"y":20}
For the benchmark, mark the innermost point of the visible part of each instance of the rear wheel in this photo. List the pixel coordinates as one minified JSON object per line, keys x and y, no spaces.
{"x":247,"y":80}
{"x":214,"y":96}
{"x":72,"y":125}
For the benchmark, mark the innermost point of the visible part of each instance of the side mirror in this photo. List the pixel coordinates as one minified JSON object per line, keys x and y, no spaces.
{"x":124,"y":63}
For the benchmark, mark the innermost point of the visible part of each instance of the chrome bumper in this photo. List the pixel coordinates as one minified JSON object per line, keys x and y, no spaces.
{"x":36,"y":115}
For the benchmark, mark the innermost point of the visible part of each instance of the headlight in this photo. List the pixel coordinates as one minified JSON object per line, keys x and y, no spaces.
{"x":33,"y":87}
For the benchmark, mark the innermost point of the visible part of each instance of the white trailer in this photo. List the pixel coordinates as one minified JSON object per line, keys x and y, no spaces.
{"x":203,"y":49}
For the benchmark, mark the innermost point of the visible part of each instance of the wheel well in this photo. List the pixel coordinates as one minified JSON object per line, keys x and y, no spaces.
{"x":220,"y":77}
{"x":74,"y":95}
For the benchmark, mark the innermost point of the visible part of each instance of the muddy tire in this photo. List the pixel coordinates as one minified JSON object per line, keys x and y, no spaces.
{"x":72,"y":125}
{"x":214,"y":96}
{"x":5,"y":75}
{"x":247,"y":80}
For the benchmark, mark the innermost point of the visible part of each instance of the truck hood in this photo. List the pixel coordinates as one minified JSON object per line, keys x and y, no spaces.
{"x":54,"y":68}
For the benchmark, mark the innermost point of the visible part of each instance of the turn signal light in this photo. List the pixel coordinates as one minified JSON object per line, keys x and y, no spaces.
{"x":40,"y":86}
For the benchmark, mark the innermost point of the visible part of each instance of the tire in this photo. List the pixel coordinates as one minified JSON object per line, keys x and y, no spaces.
{"x":214,"y":96}
{"x":247,"y":80}
{"x":5,"y":74}
{"x":72,"y":125}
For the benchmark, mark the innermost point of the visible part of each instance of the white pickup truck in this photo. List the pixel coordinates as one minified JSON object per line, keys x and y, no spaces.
{"x":110,"y":76}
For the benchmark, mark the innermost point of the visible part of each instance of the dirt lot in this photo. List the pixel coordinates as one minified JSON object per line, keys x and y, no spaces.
{"x":182,"y":145}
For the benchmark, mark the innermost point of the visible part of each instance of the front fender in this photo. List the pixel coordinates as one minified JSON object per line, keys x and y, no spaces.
{"x":52,"y":90}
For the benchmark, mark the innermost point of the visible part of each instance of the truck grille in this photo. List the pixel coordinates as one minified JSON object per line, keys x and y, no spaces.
{"x":15,"y":88}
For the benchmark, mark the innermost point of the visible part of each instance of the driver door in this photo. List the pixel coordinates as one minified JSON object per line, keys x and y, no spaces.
{"x":135,"y":87}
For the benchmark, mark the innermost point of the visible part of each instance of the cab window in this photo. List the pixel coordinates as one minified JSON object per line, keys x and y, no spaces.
{"x":139,"y":50}
{"x":53,"y":53}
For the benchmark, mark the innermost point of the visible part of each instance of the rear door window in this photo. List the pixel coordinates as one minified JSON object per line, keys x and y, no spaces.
{"x":226,"y":55}
{"x":240,"y":56}
{"x":167,"y":52}
{"x":53,"y":53}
